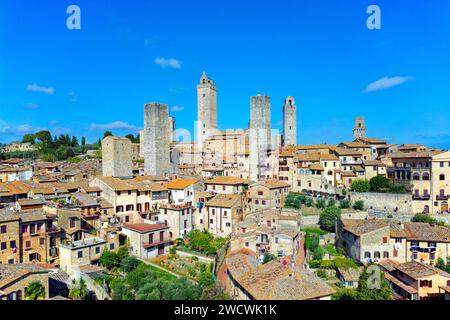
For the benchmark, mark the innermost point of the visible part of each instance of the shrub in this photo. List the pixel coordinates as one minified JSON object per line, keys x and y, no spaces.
{"x":331,"y":203}
{"x":320,"y":203}
{"x":378,"y":183}
{"x":422,"y":217}
{"x":398,"y":188}
{"x":322,"y":273}
{"x":309,"y":202}
{"x":35,"y":291}
{"x":344,"y":204}
{"x":358,"y":205}
{"x":268,"y":257}
{"x":360,"y":185}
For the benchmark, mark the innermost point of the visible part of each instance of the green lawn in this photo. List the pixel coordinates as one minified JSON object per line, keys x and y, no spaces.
{"x":161,"y":273}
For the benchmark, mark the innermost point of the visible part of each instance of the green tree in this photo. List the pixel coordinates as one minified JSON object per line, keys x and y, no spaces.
{"x":109,"y":259}
{"x":358,"y":205}
{"x":45,"y":139}
{"x":78,"y":290}
{"x":373,"y":285}
{"x":205,"y":279}
{"x":129,"y":264}
{"x":398,"y":188}
{"x":380,"y":184}
{"x":107,"y":133}
{"x":35,"y":291}
{"x":329,"y":217}
{"x":360,"y":185}
{"x":74,"y":142}
{"x":268,"y":257}
{"x":29,"y":138}
{"x":83,"y":141}
{"x":345,"y":294}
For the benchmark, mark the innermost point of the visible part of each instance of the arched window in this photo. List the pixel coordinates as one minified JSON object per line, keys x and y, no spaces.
{"x":426,"y":176}
{"x":416,"y":176}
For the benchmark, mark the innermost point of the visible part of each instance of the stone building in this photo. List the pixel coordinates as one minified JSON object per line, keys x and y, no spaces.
{"x":156,"y":141}
{"x":289,"y":122}
{"x":9,"y":237}
{"x":207,"y":109}
{"x":117,"y":157}
{"x":359,"y":131}
{"x":82,"y":252}
{"x":147,"y":240}
{"x":14,"y":280}
{"x":260,"y":137}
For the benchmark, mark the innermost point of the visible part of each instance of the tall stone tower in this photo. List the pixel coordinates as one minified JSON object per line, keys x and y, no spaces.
{"x":260,"y":135}
{"x":289,"y":122}
{"x":116,"y":157}
{"x":359,"y":131}
{"x":206,"y":108}
{"x":156,"y":139}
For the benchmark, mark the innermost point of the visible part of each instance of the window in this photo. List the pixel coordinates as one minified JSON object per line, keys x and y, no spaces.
{"x":111,"y":246}
{"x":246,"y":244}
{"x":80,"y":254}
{"x":3,"y":246}
{"x":3,"y":229}
{"x":97,"y":250}
{"x":72,"y":223}
{"x":127,"y":219}
{"x":41,"y":241}
{"x":377,"y":255}
{"x":260,"y":193}
{"x":442,"y":177}
{"x":385,"y":255}
{"x":228,"y":224}
{"x":256,"y":202}
{"x":385,"y":239}
{"x":441,"y":164}
{"x":12,"y":244}
{"x":432,"y":244}
{"x":223,"y":188}
{"x":263,"y":202}
{"x":211,"y":221}
{"x":414,"y":243}
{"x":367,"y":255}
{"x":398,"y":240}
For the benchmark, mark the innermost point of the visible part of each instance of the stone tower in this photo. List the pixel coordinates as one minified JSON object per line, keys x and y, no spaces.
{"x":206,"y":108}
{"x":116,"y":157}
{"x":156,"y":139}
{"x":359,"y":131}
{"x":289,"y":122}
{"x":260,"y":136}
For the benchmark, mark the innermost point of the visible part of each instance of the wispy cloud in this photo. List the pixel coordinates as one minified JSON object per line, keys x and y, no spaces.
{"x":386,"y":83}
{"x":53,"y":122}
{"x":38,"y":88}
{"x":61,"y":130}
{"x":73,"y":96}
{"x":176,"y":108}
{"x":168,"y":63}
{"x":117,"y":125}
{"x":31,"y":105}
{"x":8,"y":129}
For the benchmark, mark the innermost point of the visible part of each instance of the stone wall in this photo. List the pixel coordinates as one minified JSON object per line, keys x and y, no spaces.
{"x":289,"y":122}
{"x":400,"y":203}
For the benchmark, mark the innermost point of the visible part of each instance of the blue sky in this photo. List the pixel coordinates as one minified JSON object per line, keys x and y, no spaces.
{"x":320,"y":52}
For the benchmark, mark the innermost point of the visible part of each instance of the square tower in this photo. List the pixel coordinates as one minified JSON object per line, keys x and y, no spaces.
{"x":289,"y":122}
{"x":259,"y":136}
{"x":207,"y":109}
{"x":156,"y":139}
{"x":116,"y":157}
{"x":359,"y":131}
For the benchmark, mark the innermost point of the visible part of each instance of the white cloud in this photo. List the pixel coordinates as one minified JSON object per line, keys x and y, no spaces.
{"x":117,"y":125}
{"x":176,"y":108}
{"x":170,"y":63}
{"x":31,"y":105}
{"x":386,"y":82}
{"x":16,"y":131}
{"x":37,"y":88}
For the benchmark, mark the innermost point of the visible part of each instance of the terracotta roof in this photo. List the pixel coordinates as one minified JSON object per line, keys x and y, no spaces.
{"x":6,"y":215}
{"x":13,"y":272}
{"x":224,"y":200}
{"x":350,"y":274}
{"x":399,"y":283}
{"x":418,"y":270}
{"x":276,"y":184}
{"x":227,"y":180}
{"x":347,"y":152}
{"x":180,"y":184}
{"x":424,"y":232}
{"x":360,"y":227}
{"x":145,"y":227}
{"x":274,"y":281}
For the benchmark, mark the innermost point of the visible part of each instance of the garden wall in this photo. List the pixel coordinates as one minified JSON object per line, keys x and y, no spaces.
{"x":201,"y":258}
{"x":384,"y":201}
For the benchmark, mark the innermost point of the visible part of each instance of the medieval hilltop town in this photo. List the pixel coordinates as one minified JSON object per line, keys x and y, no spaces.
{"x":240,"y":214}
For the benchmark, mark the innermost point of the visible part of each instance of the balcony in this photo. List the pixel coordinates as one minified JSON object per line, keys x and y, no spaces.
{"x":156,"y":243}
{"x":442,"y":197}
{"x":421,"y":197}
